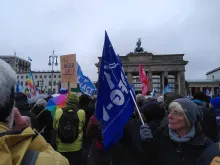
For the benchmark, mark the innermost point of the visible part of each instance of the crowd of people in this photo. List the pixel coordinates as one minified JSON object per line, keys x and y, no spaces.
{"x":177,"y":130}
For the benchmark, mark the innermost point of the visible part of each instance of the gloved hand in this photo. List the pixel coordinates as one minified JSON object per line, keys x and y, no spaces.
{"x":145,"y":133}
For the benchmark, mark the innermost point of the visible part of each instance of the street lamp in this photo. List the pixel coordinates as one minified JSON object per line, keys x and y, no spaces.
{"x":52,"y":59}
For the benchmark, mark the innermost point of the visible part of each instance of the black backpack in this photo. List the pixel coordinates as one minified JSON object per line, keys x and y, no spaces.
{"x":68,"y":127}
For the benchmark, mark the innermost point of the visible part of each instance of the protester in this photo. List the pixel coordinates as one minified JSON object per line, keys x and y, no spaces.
{"x":215,"y":107}
{"x":208,"y":123}
{"x":200,"y":99}
{"x":209,"y":154}
{"x":181,"y":142}
{"x":21,"y":102}
{"x":19,"y":143}
{"x":97,"y":155}
{"x":171,"y":96}
{"x":153,"y":114}
{"x":140,"y":100}
{"x":44,"y":119}
{"x":69,"y":123}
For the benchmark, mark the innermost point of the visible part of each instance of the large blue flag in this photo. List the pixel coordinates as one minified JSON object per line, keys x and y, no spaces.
{"x":114,"y":102}
{"x":85,"y":84}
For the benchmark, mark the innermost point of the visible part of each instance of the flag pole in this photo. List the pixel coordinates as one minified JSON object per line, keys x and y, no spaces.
{"x":139,"y":113}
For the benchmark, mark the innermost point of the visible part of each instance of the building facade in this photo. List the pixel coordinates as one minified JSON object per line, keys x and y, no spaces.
{"x":213,"y":74}
{"x":43,"y":80}
{"x":157,"y":68}
{"x":17,"y":63}
{"x":212,"y":82}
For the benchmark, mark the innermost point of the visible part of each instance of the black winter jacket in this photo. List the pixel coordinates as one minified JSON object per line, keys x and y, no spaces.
{"x":163,"y":150}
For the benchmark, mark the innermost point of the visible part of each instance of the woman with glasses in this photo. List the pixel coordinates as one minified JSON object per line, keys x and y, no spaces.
{"x":181,"y":142}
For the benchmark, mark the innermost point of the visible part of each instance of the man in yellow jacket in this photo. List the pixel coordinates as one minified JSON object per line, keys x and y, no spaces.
{"x":72,"y":151}
{"x":19,"y":144}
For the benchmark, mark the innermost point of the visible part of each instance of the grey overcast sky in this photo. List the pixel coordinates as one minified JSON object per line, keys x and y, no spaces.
{"x":34,"y":28}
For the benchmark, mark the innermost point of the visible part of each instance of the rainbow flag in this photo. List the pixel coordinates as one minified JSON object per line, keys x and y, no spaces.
{"x":30,"y":83}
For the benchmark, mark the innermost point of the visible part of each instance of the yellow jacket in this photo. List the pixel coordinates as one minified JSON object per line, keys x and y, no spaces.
{"x":13,"y":148}
{"x":216,"y":161}
{"x":77,"y":145}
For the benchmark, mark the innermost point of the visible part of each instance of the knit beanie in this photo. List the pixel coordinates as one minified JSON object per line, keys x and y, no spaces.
{"x":192,"y":111}
{"x":152,"y":110}
{"x":215,"y":102}
{"x":200,"y":96}
{"x":7,"y":94}
{"x":21,"y":101}
{"x":72,"y":99}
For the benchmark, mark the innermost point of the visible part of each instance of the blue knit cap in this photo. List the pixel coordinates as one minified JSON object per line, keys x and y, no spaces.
{"x":215,"y":102}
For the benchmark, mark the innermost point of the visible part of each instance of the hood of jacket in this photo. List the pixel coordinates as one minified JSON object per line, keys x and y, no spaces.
{"x":14,"y":145}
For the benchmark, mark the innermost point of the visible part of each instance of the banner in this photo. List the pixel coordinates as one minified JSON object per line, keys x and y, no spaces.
{"x":85,"y":84}
{"x":68,"y":71}
{"x":114,"y":102}
{"x":143,"y":78}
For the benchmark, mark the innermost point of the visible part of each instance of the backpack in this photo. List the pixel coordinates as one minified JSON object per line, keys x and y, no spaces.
{"x":68,"y":127}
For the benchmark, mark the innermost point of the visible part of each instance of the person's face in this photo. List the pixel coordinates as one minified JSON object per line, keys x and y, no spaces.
{"x":177,"y":120}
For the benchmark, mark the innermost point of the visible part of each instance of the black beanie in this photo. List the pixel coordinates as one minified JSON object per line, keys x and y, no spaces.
{"x":200,"y":96}
{"x":5,"y":110}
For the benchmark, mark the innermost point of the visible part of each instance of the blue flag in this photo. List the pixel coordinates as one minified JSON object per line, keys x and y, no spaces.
{"x":114,"y":102}
{"x":167,"y":89}
{"x":85,"y":84}
{"x":29,"y":59}
{"x":19,"y":87}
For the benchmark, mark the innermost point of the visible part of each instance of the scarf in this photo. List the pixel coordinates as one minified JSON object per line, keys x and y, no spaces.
{"x":186,"y":138}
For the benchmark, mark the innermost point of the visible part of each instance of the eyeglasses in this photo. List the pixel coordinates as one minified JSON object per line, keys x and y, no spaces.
{"x":175,"y":114}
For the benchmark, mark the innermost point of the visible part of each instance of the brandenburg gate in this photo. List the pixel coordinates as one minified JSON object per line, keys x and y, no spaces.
{"x":159,"y":68}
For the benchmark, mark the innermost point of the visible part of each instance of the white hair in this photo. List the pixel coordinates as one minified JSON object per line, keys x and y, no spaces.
{"x":7,"y":81}
{"x":179,"y":108}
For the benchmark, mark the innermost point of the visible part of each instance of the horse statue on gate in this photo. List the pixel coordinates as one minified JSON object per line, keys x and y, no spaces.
{"x":139,"y":49}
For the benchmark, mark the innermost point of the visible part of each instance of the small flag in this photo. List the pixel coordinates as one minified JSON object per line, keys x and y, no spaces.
{"x":29,"y":59}
{"x":143,"y":78}
{"x":30,"y":82}
{"x":153,"y":93}
{"x":19,"y":87}
{"x":114,"y":100}
{"x":167,"y":89}
{"x":85,"y":84}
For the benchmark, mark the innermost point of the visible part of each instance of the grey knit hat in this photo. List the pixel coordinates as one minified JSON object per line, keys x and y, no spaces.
{"x":192,"y":111}
{"x":7,"y":84}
